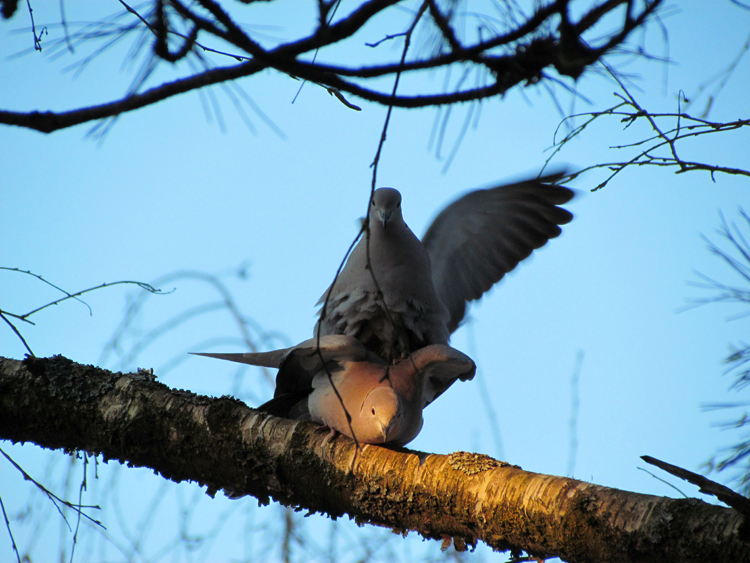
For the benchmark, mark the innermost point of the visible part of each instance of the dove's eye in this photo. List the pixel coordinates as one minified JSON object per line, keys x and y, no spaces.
{"x":373,"y":410}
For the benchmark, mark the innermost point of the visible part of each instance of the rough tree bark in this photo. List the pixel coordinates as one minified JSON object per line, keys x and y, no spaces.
{"x":224,"y":445}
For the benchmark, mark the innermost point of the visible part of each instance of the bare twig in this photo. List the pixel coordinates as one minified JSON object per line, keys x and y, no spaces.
{"x":64,"y":23}
{"x":388,"y":37}
{"x":14,"y":329}
{"x":142,"y":285}
{"x":663,"y":481}
{"x":57,"y":501}
{"x":373,"y":184}
{"x":683,"y":126}
{"x":225,"y":302}
{"x":80,"y":506}
{"x":10,"y":532}
{"x":40,"y":278}
{"x":25,"y":316}
{"x":366,"y":230}
{"x":37,"y":38}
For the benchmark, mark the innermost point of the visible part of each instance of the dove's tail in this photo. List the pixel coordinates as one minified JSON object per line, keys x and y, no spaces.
{"x":265,"y":359}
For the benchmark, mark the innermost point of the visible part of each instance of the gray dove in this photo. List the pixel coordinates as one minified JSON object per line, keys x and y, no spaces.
{"x":384,"y":401}
{"x":415,"y":293}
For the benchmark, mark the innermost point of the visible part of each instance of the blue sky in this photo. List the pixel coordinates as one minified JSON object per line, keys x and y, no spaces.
{"x":168,"y":190}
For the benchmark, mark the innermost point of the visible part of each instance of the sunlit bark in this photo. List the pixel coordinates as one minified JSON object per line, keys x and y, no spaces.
{"x":222,"y":444}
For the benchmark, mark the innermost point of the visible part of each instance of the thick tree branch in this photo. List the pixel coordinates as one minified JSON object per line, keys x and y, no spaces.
{"x":224,"y":445}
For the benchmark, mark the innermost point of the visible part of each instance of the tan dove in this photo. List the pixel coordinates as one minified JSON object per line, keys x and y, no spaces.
{"x":426,"y":284}
{"x":384,"y":401}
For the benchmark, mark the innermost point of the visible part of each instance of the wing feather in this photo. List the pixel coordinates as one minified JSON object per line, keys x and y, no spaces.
{"x":483,"y":235}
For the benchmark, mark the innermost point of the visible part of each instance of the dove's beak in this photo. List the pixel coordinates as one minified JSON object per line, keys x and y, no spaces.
{"x":385,"y":427}
{"x":385,"y":216}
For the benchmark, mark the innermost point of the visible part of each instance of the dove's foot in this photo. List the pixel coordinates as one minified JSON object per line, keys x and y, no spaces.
{"x":322,"y":428}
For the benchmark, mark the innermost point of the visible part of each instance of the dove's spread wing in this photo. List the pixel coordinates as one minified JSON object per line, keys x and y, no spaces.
{"x":482,"y":236}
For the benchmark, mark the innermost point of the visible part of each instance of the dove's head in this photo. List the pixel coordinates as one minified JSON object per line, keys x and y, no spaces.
{"x":381,"y":417}
{"x":385,"y":205}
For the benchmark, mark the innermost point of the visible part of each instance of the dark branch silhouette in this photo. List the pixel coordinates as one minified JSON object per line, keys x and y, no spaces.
{"x":708,"y":487}
{"x":7,"y":315}
{"x":518,"y":54}
{"x":657,"y":149}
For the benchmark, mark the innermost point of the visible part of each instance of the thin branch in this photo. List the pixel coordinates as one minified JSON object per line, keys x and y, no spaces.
{"x":142,"y":285}
{"x":575,"y":402}
{"x":318,"y":333}
{"x":25,"y":316}
{"x":40,"y":278}
{"x":137,"y":15}
{"x":484,"y":393}
{"x":14,"y":329}
{"x":628,"y":111}
{"x":444,"y":26}
{"x":37,"y":38}
{"x":214,"y":281}
{"x":64,"y":23}
{"x":663,"y":481}
{"x":78,"y":508}
{"x":388,"y":37}
{"x":10,"y":532}
{"x":373,"y":184}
